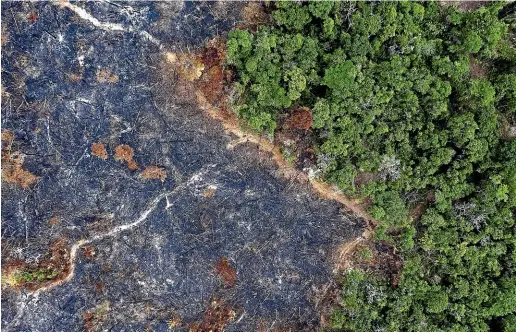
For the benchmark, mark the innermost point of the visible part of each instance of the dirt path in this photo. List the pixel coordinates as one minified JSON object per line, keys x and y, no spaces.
{"x":231,"y":125}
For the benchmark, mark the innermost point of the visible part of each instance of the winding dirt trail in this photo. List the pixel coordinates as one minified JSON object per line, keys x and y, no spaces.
{"x":231,"y":125}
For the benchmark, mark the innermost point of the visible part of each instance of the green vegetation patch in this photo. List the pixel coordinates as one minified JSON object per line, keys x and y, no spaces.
{"x":422,"y":98}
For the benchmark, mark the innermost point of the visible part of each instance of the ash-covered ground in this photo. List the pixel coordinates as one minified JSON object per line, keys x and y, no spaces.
{"x":215,"y":234}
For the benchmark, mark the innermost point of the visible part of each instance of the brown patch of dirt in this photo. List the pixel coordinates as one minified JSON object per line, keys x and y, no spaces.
{"x":208,"y":193}
{"x":212,"y":84}
{"x":12,"y":164}
{"x":99,"y":150}
{"x":188,"y":66}
{"x":104,"y":75}
{"x":175,"y":321}
{"x":99,"y":287}
{"x":363,"y":178}
{"x":89,"y":252}
{"x":15,"y":174}
{"x":75,"y":77}
{"x":214,"y":78}
{"x":345,"y":252}
{"x":254,"y":14}
{"x":4,"y":38}
{"x":52,"y":267}
{"x":54,"y":220}
{"x":212,"y":56}
{"x":476,"y":68}
{"x":125,"y":153}
{"x":300,"y":119}
{"x":227,"y":273}
{"x":154,"y":172}
{"x":132,"y":165}
{"x":33,"y":16}
{"x":383,"y":261}
{"x":216,"y":317}
{"x":463,"y":5}
{"x":7,"y":138}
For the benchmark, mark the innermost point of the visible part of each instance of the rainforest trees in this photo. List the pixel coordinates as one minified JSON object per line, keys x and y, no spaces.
{"x":423,"y":96}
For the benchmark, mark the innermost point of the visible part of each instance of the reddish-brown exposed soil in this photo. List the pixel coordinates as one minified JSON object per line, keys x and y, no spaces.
{"x":154,"y":172}
{"x":126,"y":153}
{"x":12,"y":164}
{"x":300,"y":119}
{"x":99,"y":150}
{"x":226,"y":272}
{"x":216,"y":317}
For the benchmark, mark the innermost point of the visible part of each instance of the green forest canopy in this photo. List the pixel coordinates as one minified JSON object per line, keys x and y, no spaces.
{"x":421,"y":96}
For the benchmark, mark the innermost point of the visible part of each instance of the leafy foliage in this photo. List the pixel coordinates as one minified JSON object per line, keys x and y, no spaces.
{"x":394,"y":93}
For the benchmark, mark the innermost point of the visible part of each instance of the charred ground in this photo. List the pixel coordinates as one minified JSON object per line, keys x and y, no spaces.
{"x":227,"y":242}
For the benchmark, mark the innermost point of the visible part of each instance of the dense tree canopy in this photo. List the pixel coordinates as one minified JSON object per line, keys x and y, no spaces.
{"x":421,"y":96}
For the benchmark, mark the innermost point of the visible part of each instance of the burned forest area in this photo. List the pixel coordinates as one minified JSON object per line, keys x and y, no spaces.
{"x":258,"y":166}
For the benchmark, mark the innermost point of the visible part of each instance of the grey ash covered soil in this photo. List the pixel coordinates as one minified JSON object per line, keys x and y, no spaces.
{"x":215,"y":202}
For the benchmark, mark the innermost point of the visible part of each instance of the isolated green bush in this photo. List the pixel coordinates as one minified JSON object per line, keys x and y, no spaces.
{"x":394,"y":92}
